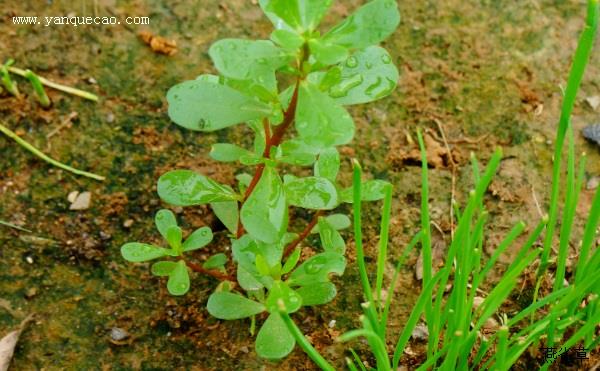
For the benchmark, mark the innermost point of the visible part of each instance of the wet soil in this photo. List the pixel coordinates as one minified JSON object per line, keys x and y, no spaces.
{"x":474,"y":75}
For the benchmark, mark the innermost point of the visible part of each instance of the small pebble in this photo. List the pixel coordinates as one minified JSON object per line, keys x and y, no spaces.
{"x":31,"y":292}
{"x":592,"y":132}
{"x":128,"y":223}
{"x":593,"y":182}
{"x":118,"y":334}
{"x":593,"y":101}
{"x":332,"y":323}
{"x":110,"y":118}
{"x":29,"y":260}
{"x":421,"y":332}
{"x":82,"y":201}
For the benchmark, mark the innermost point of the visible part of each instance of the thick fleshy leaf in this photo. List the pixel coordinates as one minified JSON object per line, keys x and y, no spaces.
{"x":228,"y":214}
{"x":330,"y":237}
{"x":163,"y":268}
{"x":187,"y":188}
{"x":242,"y":59}
{"x":291,"y":262}
{"x":327,"y":54}
{"x":337,"y":221}
{"x":179,"y":279}
{"x":163,"y":220}
{"x":198,"y":239}
{"x":295,"y":152}
{"x":226,"y":152}
{"x":265,"y":213}
{"x":317,"y":294}
{"x":311,"y":193}
{"x":262,"y":266}
{"x":371,"y":190}
{"x":216,"y":261}
{"x":369,"y":25}
{"x":274,"y":340}
{"x":328,"y":164}
{"x":317,"y":269}
{"x":229,"y":306}
{"x":205,"y":106}
{"x":140,"y":252}
{"x":281,"y":291}
{"x":366,"y":76}
{"x":174,"y":236}
{"x":247,"y":279}
{"x":288,"y":40}
{"x":301,"y":15}
{"x":320,"y":121}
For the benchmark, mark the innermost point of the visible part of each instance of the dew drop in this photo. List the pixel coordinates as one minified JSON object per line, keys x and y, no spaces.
{"x":351,"y":62}
{"x":202,"y":124}
{"x":315,"y":265}
{"x":342,"y":89}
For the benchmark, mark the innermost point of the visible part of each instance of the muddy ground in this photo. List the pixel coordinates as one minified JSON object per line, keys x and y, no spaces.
{"x":480,"y":74}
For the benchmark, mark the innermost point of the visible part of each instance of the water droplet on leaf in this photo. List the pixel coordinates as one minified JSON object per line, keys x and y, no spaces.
{"x":351,"y":62}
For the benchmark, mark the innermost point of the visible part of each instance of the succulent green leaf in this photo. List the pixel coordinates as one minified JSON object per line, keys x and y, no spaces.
{"x":244,"y":180}
{"x":228,"y":214}
{"x":369,"y":25}
{"x":164,"y":219}
{"x":330,"y":237}
{"x":262,"y":266}
{"x":230,"y":306}
{"x":265,"y":213}
{"x":247,"y":279}
{"x":317,"y":269}
{"x":216,"y":261}
{"x":300,"y":15}
{"x":187,"y":188}
{"x":295,"y":152}
{"x":317,"y":293}
{"x":206,"y":106}
{"x":288,"y":40}
{"x":366,"y":76}
{"x":328,"y":164}
{"x":251,"y":159}
{"x":311,"y":193}
{"x":179,"y":279}
{"x":371,"y":190}
{"x":140,"y":252}
{"x":242,"y":59}
{"x":174,"y":236}
{"x":337,"y":221}
{"x":291,"y":262}
{"x":198,"y":239}
{"x":262,"y":85}
{"x":163,"y":268}
{"x":226,"y":152}
{"x":320,"y":121}
{"x":326,"y":79}
{"x":274,"y":340}
{"x":327,"y":54}
{"x":281,"y":291}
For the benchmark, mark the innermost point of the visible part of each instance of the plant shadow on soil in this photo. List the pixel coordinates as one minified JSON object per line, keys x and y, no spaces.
{"x":487,"y":72}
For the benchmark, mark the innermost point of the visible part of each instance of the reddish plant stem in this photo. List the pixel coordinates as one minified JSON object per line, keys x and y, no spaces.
{"x":302,"y":236}
{"x":210,"y":272}
{"x":271,"y":141}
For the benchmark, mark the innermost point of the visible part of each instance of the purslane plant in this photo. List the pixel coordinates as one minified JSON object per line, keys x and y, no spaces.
{"x":343,"y":66}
